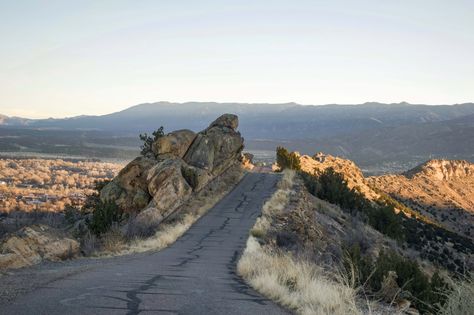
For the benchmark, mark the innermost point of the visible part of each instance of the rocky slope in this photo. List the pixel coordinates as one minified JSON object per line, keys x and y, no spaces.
{"x":440,"y":189}
{"x":425,"y":196}
{"x":352,"y":173}
{"x":181,"y":163}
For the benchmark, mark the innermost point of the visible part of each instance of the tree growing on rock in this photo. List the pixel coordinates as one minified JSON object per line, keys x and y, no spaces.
{"x":146,"y":147}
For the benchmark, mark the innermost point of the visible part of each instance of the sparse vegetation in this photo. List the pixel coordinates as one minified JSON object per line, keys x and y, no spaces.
{"x":411,"y":282}
{"x":405,"y":226}
{"x":292,"y":281}
{"x":332,"y":187}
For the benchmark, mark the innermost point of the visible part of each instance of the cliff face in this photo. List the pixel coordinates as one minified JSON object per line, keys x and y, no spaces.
{"x":440,"y":189}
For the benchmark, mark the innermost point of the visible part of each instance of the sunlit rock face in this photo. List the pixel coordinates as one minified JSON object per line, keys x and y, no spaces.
{"x":440,"y":189}
{"x":33,"y":244}
{"x":182,"y":162}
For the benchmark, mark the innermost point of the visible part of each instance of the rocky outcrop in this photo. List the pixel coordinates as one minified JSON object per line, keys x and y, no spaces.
{"x":442,"y":190}
{"x":182,"y":163}
{"x":354,"y":177}
{"x":442,"y":170}
{"x":33,"y":244}
{"x":216,"y":147}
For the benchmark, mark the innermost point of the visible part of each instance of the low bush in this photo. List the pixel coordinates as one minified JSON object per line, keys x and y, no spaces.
{"x":105,"y":214}
{"x":287,"y":160}
{"x":422,"y":291}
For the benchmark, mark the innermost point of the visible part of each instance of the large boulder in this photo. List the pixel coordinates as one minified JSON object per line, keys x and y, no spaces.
{"x":227,"y":120}
{"x":217,"y":147}
{"x":33,"y":244}
{"x":129,"y":190}
{"x":175,"y":143}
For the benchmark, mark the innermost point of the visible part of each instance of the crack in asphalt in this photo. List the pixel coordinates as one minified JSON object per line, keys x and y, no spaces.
{"x":133,"y":303}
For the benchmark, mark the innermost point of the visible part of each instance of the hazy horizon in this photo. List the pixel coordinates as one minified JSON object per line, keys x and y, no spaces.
{"x":62,"y":59}
{"x":240,"y":103}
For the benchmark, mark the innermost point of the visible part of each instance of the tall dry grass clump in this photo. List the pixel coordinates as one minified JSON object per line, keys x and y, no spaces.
{"x":459,"y":300}
{"x":295,"y":283}
{"x":275,"y":205}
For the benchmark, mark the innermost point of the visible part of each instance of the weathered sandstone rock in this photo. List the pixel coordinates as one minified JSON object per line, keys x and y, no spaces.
{"x":129,"y":190}
{"x":167,"y":185}
{"x":216,"y":147}
{"x":33,"y":244}
{"x":175,"y":143}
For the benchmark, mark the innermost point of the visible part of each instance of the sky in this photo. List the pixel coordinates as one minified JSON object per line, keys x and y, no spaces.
{"x":66,"y":58}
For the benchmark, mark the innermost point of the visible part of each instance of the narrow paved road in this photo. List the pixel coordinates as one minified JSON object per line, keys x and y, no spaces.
{"x":196,"y":275}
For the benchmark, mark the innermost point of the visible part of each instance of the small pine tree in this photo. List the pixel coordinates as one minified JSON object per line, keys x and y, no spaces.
{"x":148,"y":141}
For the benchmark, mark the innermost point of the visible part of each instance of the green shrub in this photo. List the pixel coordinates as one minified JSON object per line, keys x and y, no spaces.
{"x":105,"y":214}
{"x":71,"y":214}
{"x":425,"y":293}
{"x":287,"y":160}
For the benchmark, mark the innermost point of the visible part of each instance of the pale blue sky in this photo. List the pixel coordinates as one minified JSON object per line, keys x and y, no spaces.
{"x":63,"y":58}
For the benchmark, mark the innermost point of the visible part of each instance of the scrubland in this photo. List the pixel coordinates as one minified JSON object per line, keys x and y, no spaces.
{"x":49,"y":185}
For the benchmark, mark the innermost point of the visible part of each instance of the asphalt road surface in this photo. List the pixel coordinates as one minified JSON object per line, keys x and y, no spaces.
{"x":195,"y":275}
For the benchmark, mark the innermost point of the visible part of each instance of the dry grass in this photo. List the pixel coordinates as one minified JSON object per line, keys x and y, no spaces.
{"x":294,"y":283}
{"x":166,"y":235}
{"x":275,"y":205}
{"x":113,"y":240}
{"x":460,"y":300}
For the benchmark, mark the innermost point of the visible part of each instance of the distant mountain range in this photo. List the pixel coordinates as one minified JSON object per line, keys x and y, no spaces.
{"x":272,"y":121}
{"x":367,"y":133}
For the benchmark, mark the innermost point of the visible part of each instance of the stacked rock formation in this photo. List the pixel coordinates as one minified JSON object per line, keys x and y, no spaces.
{"x":182,"y":162}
